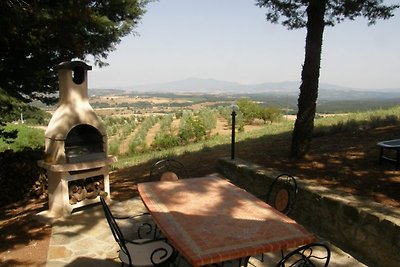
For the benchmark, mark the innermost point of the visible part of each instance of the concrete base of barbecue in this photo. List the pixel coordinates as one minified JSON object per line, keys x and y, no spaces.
{"x":59,"y":175}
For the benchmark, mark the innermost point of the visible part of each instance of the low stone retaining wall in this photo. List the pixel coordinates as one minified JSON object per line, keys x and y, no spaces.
{"x":367,"y":230}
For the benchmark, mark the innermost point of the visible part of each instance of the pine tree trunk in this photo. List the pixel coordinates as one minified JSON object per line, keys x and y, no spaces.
{"x":304,"y":125}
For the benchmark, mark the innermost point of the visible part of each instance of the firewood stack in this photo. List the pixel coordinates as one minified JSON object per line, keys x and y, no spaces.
{"x":86,"y":189}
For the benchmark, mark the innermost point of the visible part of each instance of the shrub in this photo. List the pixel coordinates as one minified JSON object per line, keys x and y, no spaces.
{"x":113,"y":147}
{"x":208,"y":118}
{"x":163,"y":141}
{"x":270,"y":114}
{"x":249,"y":109}
{"x":20,"y":176}
{"x":191,"y":129}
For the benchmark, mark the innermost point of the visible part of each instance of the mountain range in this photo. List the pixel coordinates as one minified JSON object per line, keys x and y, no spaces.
{"x":287,"y":88}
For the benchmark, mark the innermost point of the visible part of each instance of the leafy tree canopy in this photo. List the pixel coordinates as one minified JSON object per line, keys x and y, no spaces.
{"x":37,"y":35}
{"x":293,"y":13}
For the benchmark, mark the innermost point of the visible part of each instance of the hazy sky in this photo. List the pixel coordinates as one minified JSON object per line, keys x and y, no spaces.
{"x":230,"y":40}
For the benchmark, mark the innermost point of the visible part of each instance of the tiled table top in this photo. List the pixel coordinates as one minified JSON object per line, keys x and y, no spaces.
{"x":210,"y":220}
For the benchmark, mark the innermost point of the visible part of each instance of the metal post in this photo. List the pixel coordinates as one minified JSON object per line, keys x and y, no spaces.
{"x":233,"y":135}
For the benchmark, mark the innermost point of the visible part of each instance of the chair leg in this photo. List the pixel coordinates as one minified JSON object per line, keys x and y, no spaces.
{"x":245,"y":261}
{"x":155,"y":231}
{"x":381,"y":156}
{"x":176,"y":258}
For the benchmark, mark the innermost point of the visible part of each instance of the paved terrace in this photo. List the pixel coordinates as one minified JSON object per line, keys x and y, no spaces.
{"x":84,"y":239}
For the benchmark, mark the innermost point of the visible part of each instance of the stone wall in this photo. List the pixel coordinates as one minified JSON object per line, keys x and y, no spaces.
{"x":367,"y":230}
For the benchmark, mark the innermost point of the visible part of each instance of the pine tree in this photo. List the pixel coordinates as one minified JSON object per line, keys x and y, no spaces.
{"x":314,"y":15}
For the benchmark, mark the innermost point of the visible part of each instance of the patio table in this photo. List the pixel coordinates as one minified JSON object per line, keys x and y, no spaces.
{"x":210,"y":220}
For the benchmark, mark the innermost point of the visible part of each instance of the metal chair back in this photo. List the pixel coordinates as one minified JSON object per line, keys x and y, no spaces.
{"x":311,"y":255}
{"x":116,"y":231}
{"x":168,"y":169}
{"x":282,"y":193}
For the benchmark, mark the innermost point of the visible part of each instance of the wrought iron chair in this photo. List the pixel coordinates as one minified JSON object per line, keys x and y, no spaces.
{"x":168,"y":170}
{"x":311,"y":255}
{"x":139,"y":252}
{"x":283,"y":193}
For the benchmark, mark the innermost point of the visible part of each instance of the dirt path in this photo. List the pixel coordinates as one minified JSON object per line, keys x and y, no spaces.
{"x":175,"y":126}
{"x":222,"y":127}
{"x":124,"y":146}
{"x":151,"y":134}
{"x":249,"y":128}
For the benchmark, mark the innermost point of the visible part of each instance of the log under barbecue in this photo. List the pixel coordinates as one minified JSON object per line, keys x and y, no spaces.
{"x":88,"y":188}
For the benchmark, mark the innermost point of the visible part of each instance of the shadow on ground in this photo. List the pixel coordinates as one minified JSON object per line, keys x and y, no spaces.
{"x":344,"y":161}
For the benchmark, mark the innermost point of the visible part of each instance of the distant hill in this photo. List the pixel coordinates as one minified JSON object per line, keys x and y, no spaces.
{"x":105,"y":92}
{"x":288,"y":88}
{"x":212,"y":86}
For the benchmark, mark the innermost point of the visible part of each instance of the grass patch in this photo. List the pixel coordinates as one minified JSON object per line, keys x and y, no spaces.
{"x":27,"y":137}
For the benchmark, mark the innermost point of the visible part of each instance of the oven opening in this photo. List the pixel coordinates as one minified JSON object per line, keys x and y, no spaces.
{"x":84,"y":143}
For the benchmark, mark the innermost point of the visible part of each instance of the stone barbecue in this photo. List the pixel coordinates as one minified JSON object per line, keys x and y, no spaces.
{"x":75,"y":158}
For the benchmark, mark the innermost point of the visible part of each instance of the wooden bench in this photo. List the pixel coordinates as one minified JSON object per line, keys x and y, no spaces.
{"x":390,"y":144}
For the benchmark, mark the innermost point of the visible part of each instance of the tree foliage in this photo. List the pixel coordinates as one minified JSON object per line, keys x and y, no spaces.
{"x":314,"y":15}
{"x":250,"y":111}
{"x":37,"y":35}
{"x":270,"y":114}
{"x":191,"y":129}
{"x":293,"y":13}
{"x":208,"y":118}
